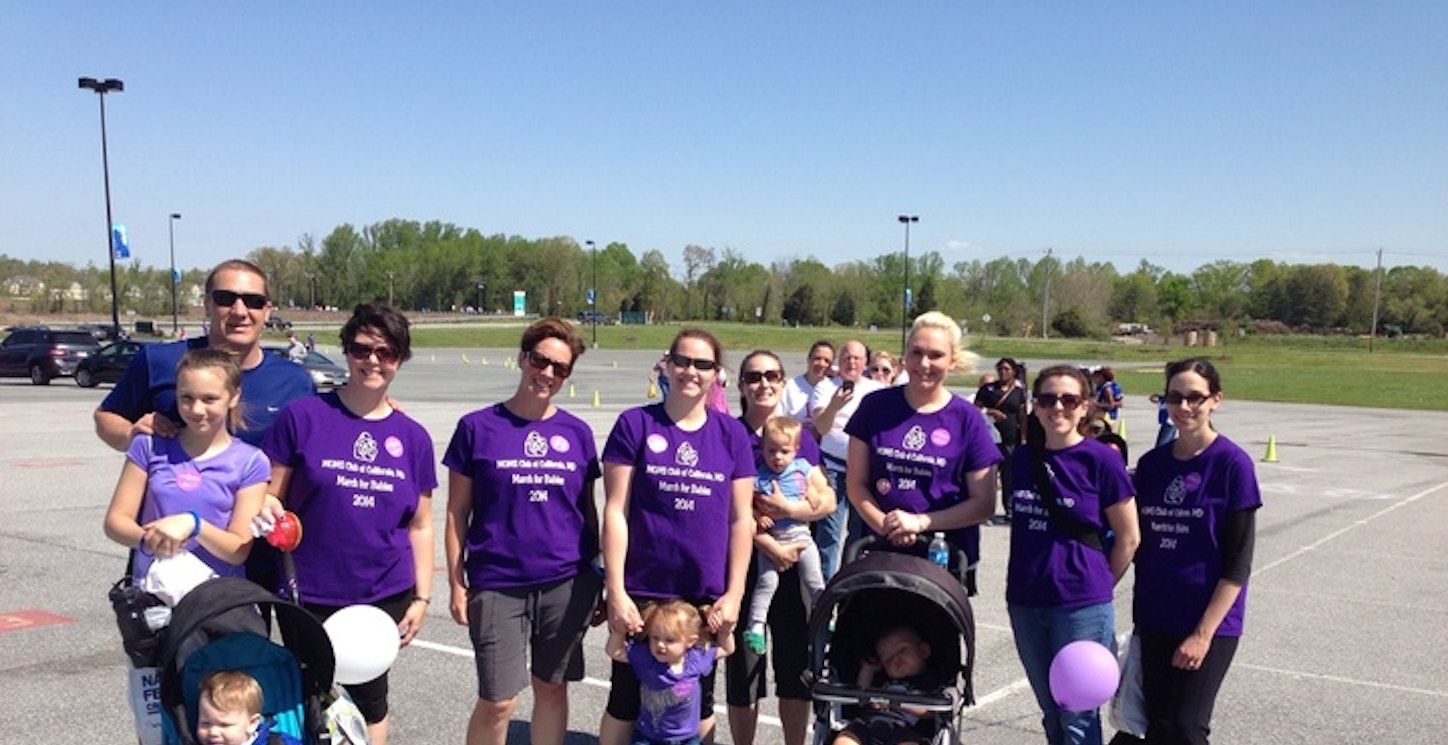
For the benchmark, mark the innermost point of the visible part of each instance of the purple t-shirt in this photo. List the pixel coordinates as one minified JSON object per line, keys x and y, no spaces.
{"x":177,"y":483}
{"x":1184,"y":505}
{"x":1049,"y":568}
{"x":530,"y":493}
{"x":679,"y":500}
{"x":355,"y":485}
{"x":668,"y":700}
{"x":918,"y":461}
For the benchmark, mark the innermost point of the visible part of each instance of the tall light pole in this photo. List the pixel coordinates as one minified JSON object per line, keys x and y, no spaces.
{"x":102,"y":87}
{"x":390,"y":275}
{"x":593,"y":292}
{"x":905,"y":295}
{"x":312,"y":288}
{"x":171,"y":231}
{"x":1046,"y":297}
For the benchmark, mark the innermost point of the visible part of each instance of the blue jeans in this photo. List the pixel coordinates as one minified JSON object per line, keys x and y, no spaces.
{"x":832,"y":531}
{"x":1165,"y":433}
{"x":1041,"y":633}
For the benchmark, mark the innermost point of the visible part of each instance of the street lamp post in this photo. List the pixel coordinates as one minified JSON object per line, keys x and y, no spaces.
{"x":102,"y":87}
{"x":593,"y":292}
{"x":905,"y":295}
{"x":390,"y":275}
{"x":171,"y":231}
{"x":312,"y":290}
{"x":481,"y":285}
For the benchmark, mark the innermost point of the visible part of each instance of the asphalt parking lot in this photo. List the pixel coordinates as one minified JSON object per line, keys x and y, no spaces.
{"x":1344,"y":622}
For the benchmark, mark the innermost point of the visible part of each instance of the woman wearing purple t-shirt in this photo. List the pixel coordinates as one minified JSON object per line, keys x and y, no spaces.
{"x":921,"y":458}
{"x":360,"y":475}
{"x":1059,"y":581}
{"x":1198,"y":498}
{"x":761,"y":385}
{"x":678,"y":478}
{"x":521,"y":532}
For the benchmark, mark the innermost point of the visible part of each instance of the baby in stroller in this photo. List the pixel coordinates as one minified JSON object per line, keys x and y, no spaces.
{"x":897,"y":666}
{"x":229,"y":712}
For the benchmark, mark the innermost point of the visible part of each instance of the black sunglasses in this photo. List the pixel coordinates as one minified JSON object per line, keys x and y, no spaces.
{"x":752,"y":377}
{"x":1068,"y":401}
{"x":873,"y":370}
{"x":541,"y":362}
{"x":702,"y":365}
{"x":227,"y":298}
{"x":1192,"y":400}
{"x":360,"y":352}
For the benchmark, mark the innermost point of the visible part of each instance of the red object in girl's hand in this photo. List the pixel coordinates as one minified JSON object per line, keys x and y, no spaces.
{"x":288,"y":532}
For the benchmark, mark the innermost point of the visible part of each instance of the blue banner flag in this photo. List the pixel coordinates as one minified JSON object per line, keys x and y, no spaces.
{"x":175,"y":276}
{"x":120,"y":244}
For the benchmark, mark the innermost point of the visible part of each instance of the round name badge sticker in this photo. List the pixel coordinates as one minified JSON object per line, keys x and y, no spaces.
{"x":940,"y":437}
{"x":658,"y":443}
{"x":882,"y":487}
{"x":559,"y":443}
{"x":393,"y":446}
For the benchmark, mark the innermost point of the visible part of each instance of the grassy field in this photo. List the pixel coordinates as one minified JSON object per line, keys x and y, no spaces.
{"x":1399,"y":374}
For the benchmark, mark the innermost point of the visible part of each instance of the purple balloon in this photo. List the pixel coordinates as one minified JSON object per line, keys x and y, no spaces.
{"x":1084,"y":675}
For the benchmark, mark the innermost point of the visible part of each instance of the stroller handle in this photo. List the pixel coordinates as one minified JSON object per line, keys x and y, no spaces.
{"x":960,"y":564}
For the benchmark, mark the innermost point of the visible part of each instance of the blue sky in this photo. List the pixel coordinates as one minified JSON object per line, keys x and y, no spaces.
{"x":1177,"y":132}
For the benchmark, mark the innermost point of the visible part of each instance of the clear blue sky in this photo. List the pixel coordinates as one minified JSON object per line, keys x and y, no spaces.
{"x":1178,"y":132}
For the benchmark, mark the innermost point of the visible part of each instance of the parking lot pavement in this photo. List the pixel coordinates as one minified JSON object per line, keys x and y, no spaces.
{"x":1343,"y":626}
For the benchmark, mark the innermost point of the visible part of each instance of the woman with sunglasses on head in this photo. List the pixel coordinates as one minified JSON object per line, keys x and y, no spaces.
{"x":359,"y":474}
{"x":522,"y":532}
{"x":762,"y":382}
{"x":678,"y":479}
{"x":1059,"y":580}
{"x":921,"y":459}
{"x":1198,"y":497}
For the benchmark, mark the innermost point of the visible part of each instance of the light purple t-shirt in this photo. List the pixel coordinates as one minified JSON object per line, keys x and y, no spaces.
{"x":529,"y":496}
{"x":1048,"y":567}
{"x":668,"y":700}
{"x":177,"y":483}
{"x":918,"y":461}
{"x":355,"y":485}
{"x":1183,"y":507}
{"x":679,"y":500}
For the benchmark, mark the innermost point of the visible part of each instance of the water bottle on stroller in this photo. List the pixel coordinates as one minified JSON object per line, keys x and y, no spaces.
{"x":939,"y":550}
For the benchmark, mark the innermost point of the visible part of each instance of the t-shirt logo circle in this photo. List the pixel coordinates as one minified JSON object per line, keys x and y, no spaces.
{"x":686,"y":455}
{"x":914,"y":439}
{"x":1176,"y":492}
{"x":658,"y":443}
{"x":559,"y":443}
{"x":535,"y":446}
{"x":393,"y":446}
{"x":940,"y":437}
{"x":188,"y":480}
{"x":365,"y":448}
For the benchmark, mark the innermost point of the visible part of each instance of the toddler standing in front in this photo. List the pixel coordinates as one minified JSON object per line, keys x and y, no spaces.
{"x":669,"y":661}
{"x":785,"y":473}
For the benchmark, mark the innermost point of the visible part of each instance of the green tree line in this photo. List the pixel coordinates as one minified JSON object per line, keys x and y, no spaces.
{"x":440,"y":267}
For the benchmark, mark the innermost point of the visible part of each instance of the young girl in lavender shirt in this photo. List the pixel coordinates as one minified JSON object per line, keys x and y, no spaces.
{"x":670,"y":663}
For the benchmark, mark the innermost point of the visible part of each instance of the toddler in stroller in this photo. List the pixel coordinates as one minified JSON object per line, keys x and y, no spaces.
{"x":896,"y":666}
{"x":229,"y":712}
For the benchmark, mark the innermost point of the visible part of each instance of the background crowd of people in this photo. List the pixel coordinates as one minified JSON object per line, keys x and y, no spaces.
{"x":697,"y":506}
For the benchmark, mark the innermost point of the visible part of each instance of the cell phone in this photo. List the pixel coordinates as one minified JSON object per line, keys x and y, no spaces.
{"x":848,"y":386}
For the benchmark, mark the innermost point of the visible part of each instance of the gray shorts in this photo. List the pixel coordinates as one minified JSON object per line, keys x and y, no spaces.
{"x":551,"y":619}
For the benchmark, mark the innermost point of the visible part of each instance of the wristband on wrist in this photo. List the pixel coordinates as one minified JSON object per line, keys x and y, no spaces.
{"x":421,"y":599}
{"x":196,"y":530}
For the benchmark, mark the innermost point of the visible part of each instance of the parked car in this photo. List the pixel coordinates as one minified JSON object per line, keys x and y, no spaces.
{"x":277,"y":323}
{"x":592,"y":316}
{"x":103,"y":331}
{"x":326,"y":374}
{"x":44,"y":353}
{"x":106,"y":365}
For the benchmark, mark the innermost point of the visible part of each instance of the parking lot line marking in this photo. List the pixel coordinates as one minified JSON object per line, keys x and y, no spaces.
{"x":1341,"y":679}
{"x":595,"y":682}
{"x":1347,"y":528}
{"x":30,"y":619}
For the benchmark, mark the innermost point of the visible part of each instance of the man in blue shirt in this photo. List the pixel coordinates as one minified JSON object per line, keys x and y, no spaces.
{"x":237,"y":308}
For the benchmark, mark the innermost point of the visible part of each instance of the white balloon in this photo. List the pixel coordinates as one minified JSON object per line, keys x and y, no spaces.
{"x":364,"y":641}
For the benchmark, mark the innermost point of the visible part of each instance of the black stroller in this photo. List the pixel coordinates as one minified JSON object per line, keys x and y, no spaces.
{"x":879,"y":590}
{"x":219,"y":626}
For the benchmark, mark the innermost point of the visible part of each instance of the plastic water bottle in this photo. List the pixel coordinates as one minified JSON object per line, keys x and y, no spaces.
{"x":940,"y":550}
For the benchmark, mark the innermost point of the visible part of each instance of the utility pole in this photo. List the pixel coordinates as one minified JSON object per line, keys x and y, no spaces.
{"x":1046,"y":296}
{"x":1377,"y":294}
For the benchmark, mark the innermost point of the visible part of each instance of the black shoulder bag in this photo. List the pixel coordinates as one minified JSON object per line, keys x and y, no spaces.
{"x":1051,"y":496}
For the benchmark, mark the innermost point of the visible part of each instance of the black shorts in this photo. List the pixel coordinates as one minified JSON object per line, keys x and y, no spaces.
{"x":788,"y":641}
{"x":370,"y":697}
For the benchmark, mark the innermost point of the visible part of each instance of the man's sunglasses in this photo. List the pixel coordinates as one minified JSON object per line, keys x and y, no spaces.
{"x":360,"y":352}
{"x":541,"y":362}
{"x":1068,"y":401}
{"x":702,"y":365}
{"x":752,"y":377}
{"x":227,"y":298}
